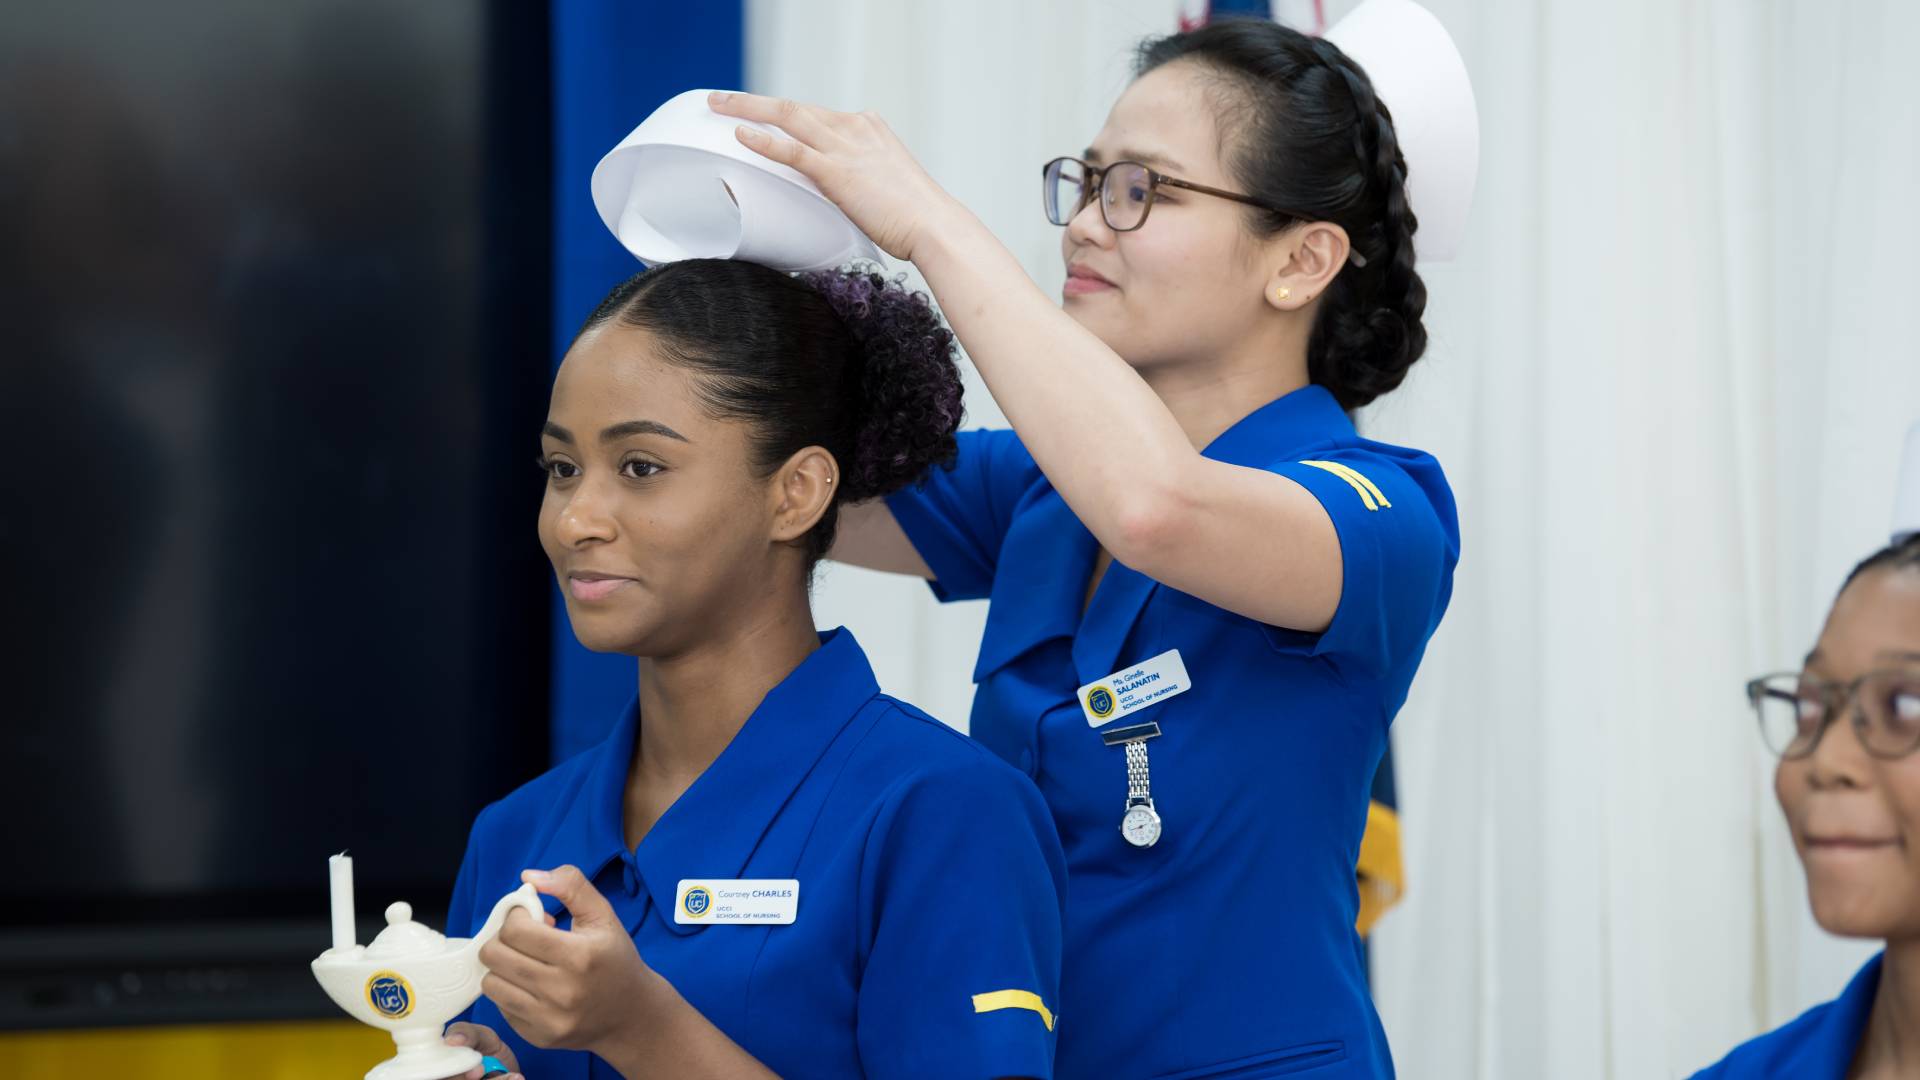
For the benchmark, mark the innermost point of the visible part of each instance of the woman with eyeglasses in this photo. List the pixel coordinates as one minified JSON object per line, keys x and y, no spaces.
{"x":1208,"y":593}
{"x":1846,"y":726}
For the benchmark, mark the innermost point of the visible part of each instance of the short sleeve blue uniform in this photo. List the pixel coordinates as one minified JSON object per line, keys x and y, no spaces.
{"x":1227,"y":948}
{"x":1817,"y":1045}
{"x":927,"y":941}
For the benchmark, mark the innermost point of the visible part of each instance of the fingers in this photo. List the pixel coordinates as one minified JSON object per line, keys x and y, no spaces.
{"x":485,"y":1040}
{"x":806,"y":123}
{"x":530,"y":940}
{"x":571,"y":887}
{"x":809,"y":129}
{"x":478,"y":1036}
{"x":796,"y":156}
{"x":515,"y":965}
{"x":513,"y":1001}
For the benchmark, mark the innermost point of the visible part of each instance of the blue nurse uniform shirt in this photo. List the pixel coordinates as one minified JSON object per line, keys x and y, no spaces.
{"x":927,"y":942}
{"x":1818,"y":1045}
{"x":1229,"y":946}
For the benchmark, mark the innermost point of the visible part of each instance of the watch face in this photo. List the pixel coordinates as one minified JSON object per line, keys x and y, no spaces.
{"x":1141,"y":826}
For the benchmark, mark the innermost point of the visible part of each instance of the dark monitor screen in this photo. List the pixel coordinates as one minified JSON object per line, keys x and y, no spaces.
{"x":273,"y":367}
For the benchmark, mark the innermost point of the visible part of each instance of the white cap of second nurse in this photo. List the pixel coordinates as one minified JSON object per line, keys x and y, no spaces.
{"x":680,"y":186}
{"x":1419,"y":74}
{"x":1906,"y":494}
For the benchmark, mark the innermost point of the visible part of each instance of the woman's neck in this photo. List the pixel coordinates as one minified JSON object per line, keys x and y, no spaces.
{"x":1890,"y":1045}
{"x":693,"y":703}
{"x":1208,"y":395}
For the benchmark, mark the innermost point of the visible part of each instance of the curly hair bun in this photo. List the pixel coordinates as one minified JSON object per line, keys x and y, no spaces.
{"x":909,"y":384}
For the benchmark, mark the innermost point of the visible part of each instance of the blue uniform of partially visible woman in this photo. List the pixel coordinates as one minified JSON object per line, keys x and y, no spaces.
{"x":1846,"y":726}
{"x":1209,"y":594}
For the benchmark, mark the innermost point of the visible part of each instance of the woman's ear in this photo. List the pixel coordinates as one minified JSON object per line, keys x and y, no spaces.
{"x":802,"y":490}
{"x":1306,"y":258}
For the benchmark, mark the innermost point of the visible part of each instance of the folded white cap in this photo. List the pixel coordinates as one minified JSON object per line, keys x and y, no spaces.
{"x":1419,"y":74}
{"x":680,"y":186}
{"x":1906,"y":494}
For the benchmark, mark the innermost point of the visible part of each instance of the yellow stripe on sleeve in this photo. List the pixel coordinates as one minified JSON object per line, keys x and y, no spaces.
{"x":1352,"y":473}
{"x":1354,"y":480}
{"x":1013,"y":999}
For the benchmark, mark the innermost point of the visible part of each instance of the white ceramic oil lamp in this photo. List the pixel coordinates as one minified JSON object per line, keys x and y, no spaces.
{"x":411,"y":981}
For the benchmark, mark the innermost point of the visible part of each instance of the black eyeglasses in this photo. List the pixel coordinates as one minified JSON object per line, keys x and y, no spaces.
{"x":1795,"y":709}
{"x":1126,"y":190}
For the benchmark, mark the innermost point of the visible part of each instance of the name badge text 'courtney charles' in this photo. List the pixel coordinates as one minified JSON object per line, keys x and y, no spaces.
{"x":737,"y":901}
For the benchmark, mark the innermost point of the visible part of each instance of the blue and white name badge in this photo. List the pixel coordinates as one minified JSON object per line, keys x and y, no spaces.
{"x":1135,"y":688}
{"x":736,"y":901}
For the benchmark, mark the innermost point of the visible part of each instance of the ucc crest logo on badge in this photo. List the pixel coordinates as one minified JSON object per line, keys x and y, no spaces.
{"x":696,"y":902}
{"x":1100,"y":701}
{"x":389,"y":994}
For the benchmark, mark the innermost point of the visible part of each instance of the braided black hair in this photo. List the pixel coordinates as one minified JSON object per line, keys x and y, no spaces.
{"x":1304,"y":129}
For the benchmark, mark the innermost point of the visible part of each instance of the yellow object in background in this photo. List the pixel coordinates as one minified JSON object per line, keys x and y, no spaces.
{"x":305,"y":1050}
{"x":1382,"y":878}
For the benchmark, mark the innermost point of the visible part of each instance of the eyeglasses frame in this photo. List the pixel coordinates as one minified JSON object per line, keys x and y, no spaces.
{"x":1834,"y":697}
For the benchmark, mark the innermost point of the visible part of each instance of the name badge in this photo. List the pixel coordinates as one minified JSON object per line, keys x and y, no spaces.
{"x":1130,"y":690}
{"x":737,"y":901}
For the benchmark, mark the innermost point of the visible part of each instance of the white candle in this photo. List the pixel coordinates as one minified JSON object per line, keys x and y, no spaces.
{"x":340,"y":870}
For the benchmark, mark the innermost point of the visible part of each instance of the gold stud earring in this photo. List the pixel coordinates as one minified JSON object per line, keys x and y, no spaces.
{"x":1282,"y":294}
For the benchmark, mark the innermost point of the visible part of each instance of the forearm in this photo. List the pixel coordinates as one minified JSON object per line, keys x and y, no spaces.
{"x":673,"y":1038}
{"x":1104,"y":439}
{"x":869,"y":536}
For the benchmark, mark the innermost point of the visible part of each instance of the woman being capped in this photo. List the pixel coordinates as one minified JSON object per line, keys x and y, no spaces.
{"x":769,"y":867}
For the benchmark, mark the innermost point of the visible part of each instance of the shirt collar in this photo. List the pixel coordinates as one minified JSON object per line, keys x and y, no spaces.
{"x":592,"y":832}
{"x":1305,"y":418}
{"x":1840,"y":1027}
{"x":713,"y":828}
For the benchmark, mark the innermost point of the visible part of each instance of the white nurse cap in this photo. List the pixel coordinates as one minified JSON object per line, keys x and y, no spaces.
{"x":680,"y":186}
{"x":1418,"y":73}
{"x":1906,"y":495}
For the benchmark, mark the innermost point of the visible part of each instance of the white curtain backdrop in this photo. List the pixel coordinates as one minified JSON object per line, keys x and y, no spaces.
{"x":1669,"y":379}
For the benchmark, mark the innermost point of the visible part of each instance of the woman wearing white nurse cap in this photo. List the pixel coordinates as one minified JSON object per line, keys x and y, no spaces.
{"x":680,"y":186}
{"x":1208,"y":593}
